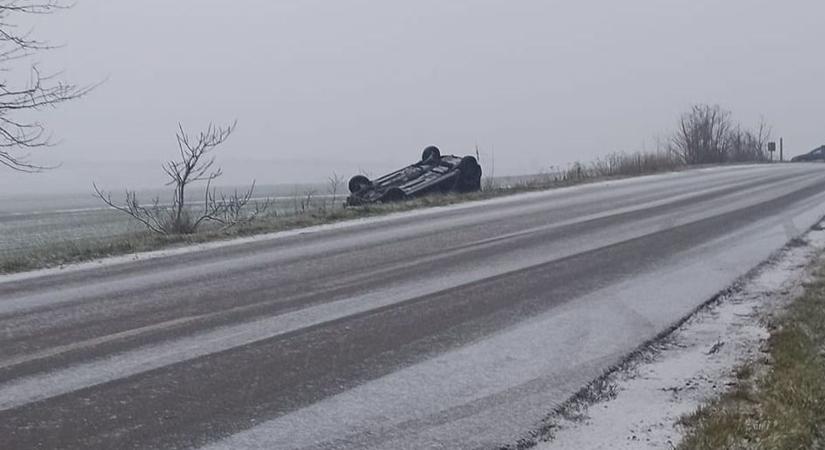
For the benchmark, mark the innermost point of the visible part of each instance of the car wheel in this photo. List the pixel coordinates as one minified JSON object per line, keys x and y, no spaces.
{"x":358,"y":183}
{"x":470,"y":174}
{"x":431,"y":153}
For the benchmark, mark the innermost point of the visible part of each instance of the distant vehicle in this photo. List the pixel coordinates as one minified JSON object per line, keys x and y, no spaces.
{"x":814,"y":155}
{"x":434,"y":173}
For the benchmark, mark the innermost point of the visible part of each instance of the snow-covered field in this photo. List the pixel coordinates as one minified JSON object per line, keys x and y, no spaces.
{"x":31,"y":222}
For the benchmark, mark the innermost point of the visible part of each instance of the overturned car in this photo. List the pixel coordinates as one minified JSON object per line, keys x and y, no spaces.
{"x":817,"y":154}
{"x":434,"y":173}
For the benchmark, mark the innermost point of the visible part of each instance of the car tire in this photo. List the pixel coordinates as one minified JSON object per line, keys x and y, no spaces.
{"x":358,"y":183}
{"x":470,"y":174}
{"x":431,"y":153}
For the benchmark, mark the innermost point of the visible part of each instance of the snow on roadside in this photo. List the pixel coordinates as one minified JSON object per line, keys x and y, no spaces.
{"x":694,"y":364}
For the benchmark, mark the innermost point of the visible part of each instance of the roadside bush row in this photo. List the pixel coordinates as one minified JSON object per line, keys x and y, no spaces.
{"x":705,"y":134}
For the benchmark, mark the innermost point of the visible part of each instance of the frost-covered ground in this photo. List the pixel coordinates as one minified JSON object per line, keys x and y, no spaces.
{"x":82,"y":222}
{"x":696,"y":363}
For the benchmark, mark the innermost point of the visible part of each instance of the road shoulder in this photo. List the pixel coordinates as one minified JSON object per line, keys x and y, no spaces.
{"x":650,"y":402}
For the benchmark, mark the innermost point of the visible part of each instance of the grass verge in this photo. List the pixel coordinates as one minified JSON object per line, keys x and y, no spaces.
{"x":781,"y":406}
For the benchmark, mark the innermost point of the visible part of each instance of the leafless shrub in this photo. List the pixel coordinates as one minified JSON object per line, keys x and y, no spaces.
{"x":702,"y":135}
{"x":746,"y":145}
{"x":706,"y":135}
{"x":306,"y":201}
{"x":196,"y":164}
{"x":239,"y":208}
{"x":19,"y":135}
{"x":334,"y":184}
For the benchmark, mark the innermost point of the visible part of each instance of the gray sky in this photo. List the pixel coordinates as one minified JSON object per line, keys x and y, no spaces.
{"x":323,"y":86}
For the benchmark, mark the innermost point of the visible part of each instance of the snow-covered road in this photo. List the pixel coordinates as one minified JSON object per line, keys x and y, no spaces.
{"x":457,"y":327}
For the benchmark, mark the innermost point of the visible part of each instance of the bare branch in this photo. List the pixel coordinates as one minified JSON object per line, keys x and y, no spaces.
{"x":196,"y":164}
{"x":148,"y":217}
{"x":334,"y":184}
{"x":707,"y":134}
{"x":41,"y":90}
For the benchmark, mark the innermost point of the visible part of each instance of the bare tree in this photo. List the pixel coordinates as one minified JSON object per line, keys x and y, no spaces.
{"x":703,"y":135}
{"x":196,"y":164}
{"x":19,"y":134}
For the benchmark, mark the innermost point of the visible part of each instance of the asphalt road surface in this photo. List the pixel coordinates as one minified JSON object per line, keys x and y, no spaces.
{"x":458,"y":327}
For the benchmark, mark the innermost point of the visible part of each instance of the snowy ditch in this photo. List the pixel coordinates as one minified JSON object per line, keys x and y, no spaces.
{"x":639,"y":404}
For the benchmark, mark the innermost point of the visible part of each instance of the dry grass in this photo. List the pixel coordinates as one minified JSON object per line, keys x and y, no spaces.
{"x":784,"y":408}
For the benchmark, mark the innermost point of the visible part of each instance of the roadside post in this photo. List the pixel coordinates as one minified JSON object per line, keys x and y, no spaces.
{"x":772,"y":148}
{"x":781,"y":149}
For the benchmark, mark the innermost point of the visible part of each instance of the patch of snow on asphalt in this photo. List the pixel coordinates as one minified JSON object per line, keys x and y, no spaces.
{"x":693,"y":365}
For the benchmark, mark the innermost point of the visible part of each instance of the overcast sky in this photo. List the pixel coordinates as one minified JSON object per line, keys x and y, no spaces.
{"x":338,"y":85}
